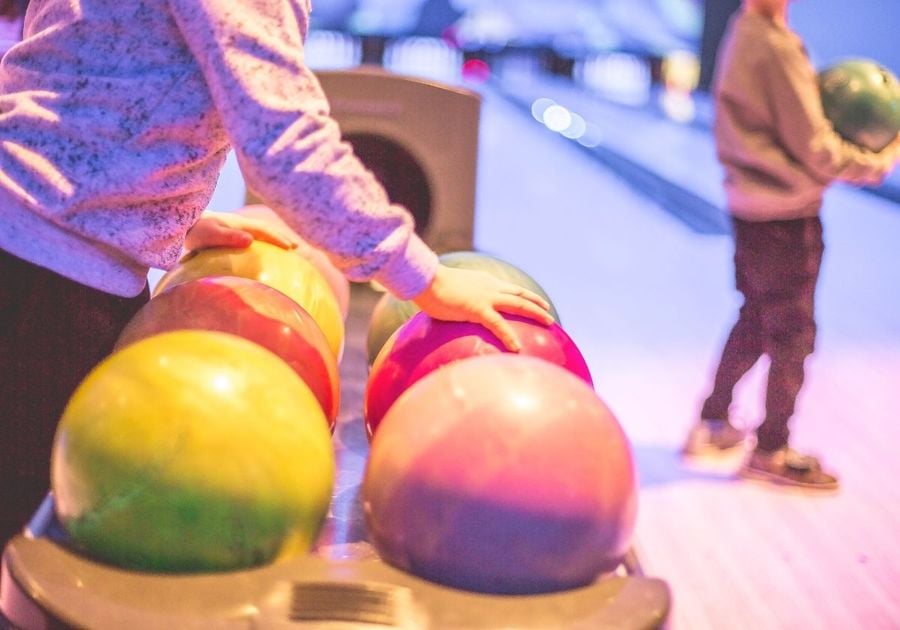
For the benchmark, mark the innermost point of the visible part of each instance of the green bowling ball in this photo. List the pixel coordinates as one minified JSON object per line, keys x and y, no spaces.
{"x":390,"y":313}
{"x":862,"y":100}
{"x":387,"y":316}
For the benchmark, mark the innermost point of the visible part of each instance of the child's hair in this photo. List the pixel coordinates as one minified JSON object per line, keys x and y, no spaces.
{"x":11,"y":9}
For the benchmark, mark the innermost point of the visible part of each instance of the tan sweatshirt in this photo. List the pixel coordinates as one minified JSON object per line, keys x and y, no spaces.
{"x":778,"y":149}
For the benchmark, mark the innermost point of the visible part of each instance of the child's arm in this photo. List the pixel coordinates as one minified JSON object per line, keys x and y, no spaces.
{"x":289,"y":148}
{"x":807,"y":134}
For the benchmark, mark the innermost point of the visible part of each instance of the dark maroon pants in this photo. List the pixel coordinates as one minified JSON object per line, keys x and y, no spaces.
{"x":776,"y":269}
{"x":52,"y":332}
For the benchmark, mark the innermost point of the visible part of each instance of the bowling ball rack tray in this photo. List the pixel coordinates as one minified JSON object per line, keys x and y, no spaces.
{"x":341,"y":584}
{"x":45,"y":584}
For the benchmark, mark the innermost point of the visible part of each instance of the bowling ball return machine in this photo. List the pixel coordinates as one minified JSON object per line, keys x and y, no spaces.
{"x":47,"y":585}
{"x":340,"y":584}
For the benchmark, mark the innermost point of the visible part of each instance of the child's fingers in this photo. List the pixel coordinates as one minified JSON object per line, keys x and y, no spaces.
{"x":273,"y":236}
{"x":260,"y":229}
{"x":515,"y":305}
{"x":224,"y":236}
{"x":493,"y":321}
{"x":527,"y":294}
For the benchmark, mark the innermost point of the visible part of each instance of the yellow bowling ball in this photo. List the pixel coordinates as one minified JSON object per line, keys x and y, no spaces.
{"x":192,"y":451}
{"x":338,"y":282}
{"x":281,"y":269}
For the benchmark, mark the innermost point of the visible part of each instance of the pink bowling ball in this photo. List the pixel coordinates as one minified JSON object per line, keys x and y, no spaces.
{"x":424,"y":344}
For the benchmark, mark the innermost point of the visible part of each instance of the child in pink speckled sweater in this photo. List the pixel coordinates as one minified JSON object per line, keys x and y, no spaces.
{"x":115,"y":119}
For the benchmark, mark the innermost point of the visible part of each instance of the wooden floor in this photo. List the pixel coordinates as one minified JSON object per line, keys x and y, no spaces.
{"x":649,"y":301}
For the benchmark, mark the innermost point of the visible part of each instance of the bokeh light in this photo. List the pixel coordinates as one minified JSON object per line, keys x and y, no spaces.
{"x":557,"y":118}
{"x":476,"y":70}
{"x":577,"y":127}
{"x":539,"y":106}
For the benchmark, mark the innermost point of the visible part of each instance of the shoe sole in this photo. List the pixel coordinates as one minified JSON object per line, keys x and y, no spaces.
{"x":771,"y":478}
{"x":712,"y":451}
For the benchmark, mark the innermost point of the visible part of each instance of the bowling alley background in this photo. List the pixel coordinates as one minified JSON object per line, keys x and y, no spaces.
{"x":595,"y":176}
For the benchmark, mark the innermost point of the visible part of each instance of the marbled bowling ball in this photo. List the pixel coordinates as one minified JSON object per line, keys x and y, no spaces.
{"x":423,"y":345}
{"x":338,"y":282}
{"x":862,"y":100}
{"x":251,"y":310}
{"x":282,"y":269}
{"x":192,"y":451}
{"x":501,"y":474}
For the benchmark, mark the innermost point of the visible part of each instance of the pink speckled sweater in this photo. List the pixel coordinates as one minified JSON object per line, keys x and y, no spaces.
{"x":115,"y":118}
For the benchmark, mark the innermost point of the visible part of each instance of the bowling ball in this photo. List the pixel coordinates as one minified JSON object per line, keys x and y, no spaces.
{"x":251,"y":310}
{"x":281,"y":269}
{"x":338,"y":282}
{"x":862,"y":100}
{"x":423,"y":345}
{"x":390,"y":313}
{"x":501,"y":474}
{"x":192,"y":451}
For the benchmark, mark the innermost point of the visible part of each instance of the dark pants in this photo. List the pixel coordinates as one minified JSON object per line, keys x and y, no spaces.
{"x":52,"y":332}
{"x":776,"y":268}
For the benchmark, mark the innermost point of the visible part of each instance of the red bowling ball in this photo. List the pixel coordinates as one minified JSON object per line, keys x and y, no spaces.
{"x":251,"y":310}
{"x":501,"y":474}
{"x":424,"y":344}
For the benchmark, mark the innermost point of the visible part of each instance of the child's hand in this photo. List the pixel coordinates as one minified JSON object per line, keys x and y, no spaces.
{"x":893,"y":150}
{"x":226,"y":229}
{"x":888,"y":158}
{"x":476,"y":296}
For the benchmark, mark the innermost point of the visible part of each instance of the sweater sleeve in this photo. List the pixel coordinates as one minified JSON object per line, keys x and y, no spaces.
{"x":289,"y":148}
{"x":805,"y":131}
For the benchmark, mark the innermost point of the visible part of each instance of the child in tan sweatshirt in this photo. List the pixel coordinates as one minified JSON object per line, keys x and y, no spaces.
{"x":779,"y":153}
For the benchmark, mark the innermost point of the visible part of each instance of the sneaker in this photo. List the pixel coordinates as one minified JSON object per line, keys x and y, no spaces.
{"x":712,"y":437}
{"x":788,"y":467}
